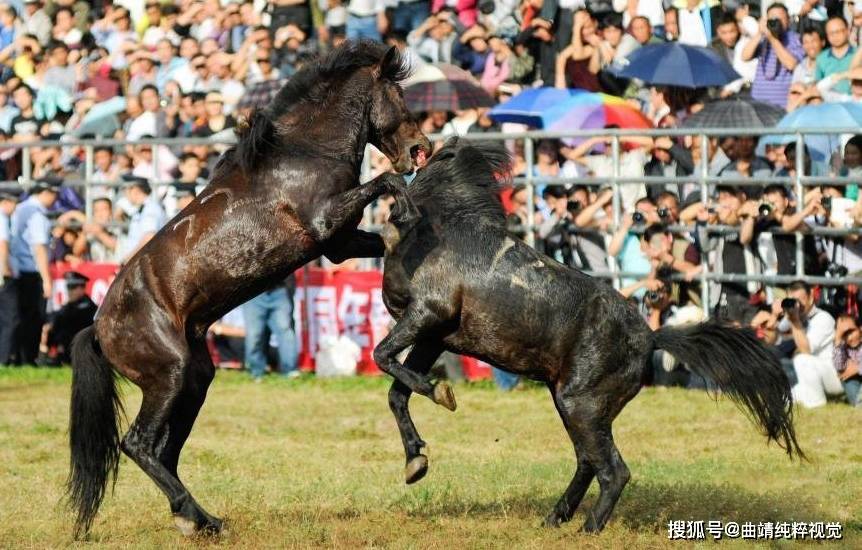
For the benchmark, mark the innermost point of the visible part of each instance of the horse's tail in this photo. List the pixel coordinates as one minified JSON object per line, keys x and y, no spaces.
{"x":743,"y":368}
{"x":255,"y":137}
{"x":94,"y":436}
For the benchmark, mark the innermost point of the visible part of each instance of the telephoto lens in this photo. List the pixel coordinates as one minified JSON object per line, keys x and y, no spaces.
{"x":574,"y":206}
{"x":638,"y":217}
{"x":789,"y":303}
{"x":764,"y":210}
{"x":826,"y":203}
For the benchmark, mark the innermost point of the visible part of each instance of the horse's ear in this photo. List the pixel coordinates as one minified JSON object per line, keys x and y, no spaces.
{"x":387,"y":61}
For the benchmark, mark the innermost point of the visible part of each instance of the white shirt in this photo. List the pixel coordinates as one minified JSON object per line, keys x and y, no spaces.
{"x":691,"y":29}
{"x":631,"y":165}
{"x":651,"y":9}
{"x":821,"y":333}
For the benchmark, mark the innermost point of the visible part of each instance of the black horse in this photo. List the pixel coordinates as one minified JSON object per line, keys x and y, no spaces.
{"x":287,"y":193}
{"x":456,"y":280}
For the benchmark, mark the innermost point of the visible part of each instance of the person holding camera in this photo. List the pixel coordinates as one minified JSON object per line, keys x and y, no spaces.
{"x":734,"y":251}
{"x":625,"y":244}
{"x":592,"y":215}
{"x":838,"y":57}
{"x":847,"y":358}
{"x":813,"y":332}
{"x":778,"y":51}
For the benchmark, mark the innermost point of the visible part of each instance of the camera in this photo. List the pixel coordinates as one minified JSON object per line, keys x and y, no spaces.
{"x":486,"y":7}
{"x":764,"y":210}
{"x":574,"y":206}
{"x":653,"y":296}
{"x":826,"y":203}
{"x":788,"y":304}
{"x":775,"y":27}
{"x":834,"y":269}
{"x":663,"y":213}
{"x":638,"y":218}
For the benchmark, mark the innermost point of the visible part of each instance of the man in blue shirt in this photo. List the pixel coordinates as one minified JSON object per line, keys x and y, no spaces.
{"x":31,"y":236}
{"x":147,"y":218}
{"x":8,"y":295}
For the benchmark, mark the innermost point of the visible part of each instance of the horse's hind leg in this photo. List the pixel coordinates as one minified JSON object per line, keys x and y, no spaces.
{"x":170,"y":405}
{"x":404,"y":334}
{"x":420,"y":360}
{"x":585,"y":472}
{"x":588,"y":417}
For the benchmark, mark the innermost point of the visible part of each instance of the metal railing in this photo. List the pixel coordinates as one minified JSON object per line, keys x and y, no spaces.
{"x":700,"y":177}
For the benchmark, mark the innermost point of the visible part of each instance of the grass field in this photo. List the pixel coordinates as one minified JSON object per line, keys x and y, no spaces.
{"x":312,"y":463}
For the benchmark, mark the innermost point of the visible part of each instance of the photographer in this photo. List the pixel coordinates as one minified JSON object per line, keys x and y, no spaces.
{"x":778,"y":50}
{"x":813,"y":331}
{"x":734,"y":251}
{"x":847,"y":358}
{"x":625,"y":244}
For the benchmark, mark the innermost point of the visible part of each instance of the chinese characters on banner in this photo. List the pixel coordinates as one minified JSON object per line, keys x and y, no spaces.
{"x":348,"y":302}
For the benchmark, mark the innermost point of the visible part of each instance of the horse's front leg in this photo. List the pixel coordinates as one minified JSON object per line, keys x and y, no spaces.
{"x":354,"y":244}
{"x":420,"y":359}
{"x":409,"y":330}
{"x":345,"y":209}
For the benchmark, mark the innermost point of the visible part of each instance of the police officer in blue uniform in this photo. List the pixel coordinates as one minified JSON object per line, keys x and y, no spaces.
{"x":31,"y":238}
{"x":73,"y":317}
{"x":8,"y":294}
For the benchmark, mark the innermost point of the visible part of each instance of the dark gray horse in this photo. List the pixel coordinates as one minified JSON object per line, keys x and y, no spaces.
{"x":456,"y":280}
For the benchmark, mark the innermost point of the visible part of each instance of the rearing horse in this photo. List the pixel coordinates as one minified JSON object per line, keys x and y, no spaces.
{"x":285,"y":194}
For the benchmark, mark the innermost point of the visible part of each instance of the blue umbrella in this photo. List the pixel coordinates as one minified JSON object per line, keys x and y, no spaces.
{"x":529,"y":106}
{"x":675,"y":64}
{"x":825,"y":115}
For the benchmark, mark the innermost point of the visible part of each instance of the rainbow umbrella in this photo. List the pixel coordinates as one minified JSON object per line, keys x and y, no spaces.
{"x":594,"y":111}
{"x":530,"y":106}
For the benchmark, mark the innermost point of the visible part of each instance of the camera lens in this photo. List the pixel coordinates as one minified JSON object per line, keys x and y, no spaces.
{"x":638,"y":217}
{"x":764,"y":210}
{"x":663,"y":213}
{"x":789,"y":303}
{"x":653,"y":296}
{"x":826,"y":202}
{"x":574,"y":206}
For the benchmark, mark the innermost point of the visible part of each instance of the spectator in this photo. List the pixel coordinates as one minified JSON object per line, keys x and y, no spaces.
{"x":10,"y":26}
{"x":25,"y":124}
{"x":30,"y":238}
{"x":471,"y":50}
{"x":733,"y":251}
{"x":652,"y":12}
{"x":151,"y":120}
{"x":75,"y":315}
{"x":778,"y":50}
{"x":229,"y":339}
{"x":36,"y":21}
{"x":273,"y":310}
{"x":694,"y":21}
{"x":852,"y":167}
{"x":745,"y":163}
{"x":577,"y":66}
{"x":102,"y":238}
{"x":838,"y":56}
{"x":813,"y":332}
{"x":671,"y":24}
{"x":366,"y":19}
{"x":813,"y":42}
{"x":639,"y":28}
{"x":825,"y":88}
{"x":8,"y":294}
{"x":669,"y":159}
{"x":615,"y":46}
{"x":147,"y":218}
{"x":465,"y":10}
{"x":847,"y":358}
{"x":434,"y":40}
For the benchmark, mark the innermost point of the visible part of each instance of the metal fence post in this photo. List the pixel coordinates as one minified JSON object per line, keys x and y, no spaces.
{"x":88,"y":180}
{"x":616,"y":203}
{"x":26,"y":165}
{"x":800,"y":203}
{"x":704,"y":199}
{"x":530,"y":237}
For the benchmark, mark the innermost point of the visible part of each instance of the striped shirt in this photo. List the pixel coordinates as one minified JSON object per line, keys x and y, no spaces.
{"x":772,"y":79}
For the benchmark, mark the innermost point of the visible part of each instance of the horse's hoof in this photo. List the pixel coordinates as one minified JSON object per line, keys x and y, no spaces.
{"x":416,"y":469}
{"x":552,"y":521}
{"x":443,"y":395}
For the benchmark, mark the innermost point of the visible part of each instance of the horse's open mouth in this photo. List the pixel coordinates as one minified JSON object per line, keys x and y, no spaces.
{"x":419,"y":155}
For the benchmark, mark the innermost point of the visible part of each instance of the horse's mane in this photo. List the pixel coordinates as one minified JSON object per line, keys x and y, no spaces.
{"x":463,"y":180}
{"x":311,"y":84}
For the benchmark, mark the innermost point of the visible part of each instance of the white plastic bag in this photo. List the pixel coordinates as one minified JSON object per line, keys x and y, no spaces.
{"x":337,"y":356}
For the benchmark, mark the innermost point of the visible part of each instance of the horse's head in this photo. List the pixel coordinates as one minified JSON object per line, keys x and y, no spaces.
{"x":393,"y":129}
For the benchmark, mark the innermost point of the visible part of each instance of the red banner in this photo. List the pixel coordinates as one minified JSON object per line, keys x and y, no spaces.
{"x":339,"y":302}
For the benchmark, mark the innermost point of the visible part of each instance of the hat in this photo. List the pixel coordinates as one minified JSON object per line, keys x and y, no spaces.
{"x":137,"y":181}
{"x":47,"y":183}
{"x":32,"y":2}
{"x":8,"y":196}
{"x":73,"y":278}
{"x":182,"y":191}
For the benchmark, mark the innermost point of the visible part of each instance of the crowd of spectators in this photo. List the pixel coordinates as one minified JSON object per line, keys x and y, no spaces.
{"x":137,"y":69}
